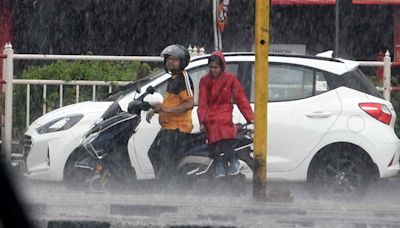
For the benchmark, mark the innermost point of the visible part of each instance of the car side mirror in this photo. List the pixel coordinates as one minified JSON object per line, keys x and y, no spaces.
{"x":154,"y":98}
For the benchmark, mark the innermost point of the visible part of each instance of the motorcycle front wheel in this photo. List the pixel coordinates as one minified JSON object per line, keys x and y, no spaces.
{"x":110,"y":178}
{"x":74,"y":178}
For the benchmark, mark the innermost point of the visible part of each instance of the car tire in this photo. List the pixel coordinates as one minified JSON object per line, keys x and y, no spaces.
{"x":119,"y":178}
{"x":122,"y":179}
{"x":341,"y":172}
{"x":74,"y":178}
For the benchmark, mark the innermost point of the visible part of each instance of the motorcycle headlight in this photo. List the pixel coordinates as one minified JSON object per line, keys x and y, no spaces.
{"x":59,"y":124}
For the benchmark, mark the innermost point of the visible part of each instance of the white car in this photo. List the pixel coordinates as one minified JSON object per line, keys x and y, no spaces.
{"x":326,"y":122}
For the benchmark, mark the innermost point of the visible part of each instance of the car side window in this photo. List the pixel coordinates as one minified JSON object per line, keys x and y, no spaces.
{"x":161,"y":88}
{"x":288,"y":82}
{"x":196,"y":74}
{"x":321,"y":85}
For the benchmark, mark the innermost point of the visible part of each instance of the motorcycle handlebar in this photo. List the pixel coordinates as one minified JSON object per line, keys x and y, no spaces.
{"x":244,"y":126}
{"x":146,"y":106}
{"x":135,"y":107}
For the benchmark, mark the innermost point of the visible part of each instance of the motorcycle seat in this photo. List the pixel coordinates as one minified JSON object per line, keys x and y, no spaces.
{"x":198,"y":150}
{"x":196,"y":144}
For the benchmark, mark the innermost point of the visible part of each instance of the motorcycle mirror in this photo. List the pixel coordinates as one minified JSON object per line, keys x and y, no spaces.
{"x":137,"y":87}
{"x":150,"y":90}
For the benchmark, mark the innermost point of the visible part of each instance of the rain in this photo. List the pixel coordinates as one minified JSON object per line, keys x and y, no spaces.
{"x":360,"y":32}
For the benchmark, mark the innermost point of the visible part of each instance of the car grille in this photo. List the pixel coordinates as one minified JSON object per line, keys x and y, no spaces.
{"x":27,"y":144}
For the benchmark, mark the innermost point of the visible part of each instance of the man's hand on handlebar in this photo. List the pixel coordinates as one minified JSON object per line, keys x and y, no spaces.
{"x":157,"y":108}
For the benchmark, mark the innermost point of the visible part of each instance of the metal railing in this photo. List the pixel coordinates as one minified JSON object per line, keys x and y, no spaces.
{"x":8,"y":80}
{"x":8,"y":57}
{"x":61,"y":84}
{"x":387,"y":63}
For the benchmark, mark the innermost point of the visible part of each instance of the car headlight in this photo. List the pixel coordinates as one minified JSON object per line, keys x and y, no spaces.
{"x":59,"y":124}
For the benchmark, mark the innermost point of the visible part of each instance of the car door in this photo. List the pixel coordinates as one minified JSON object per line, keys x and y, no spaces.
{"x":301,"y":110}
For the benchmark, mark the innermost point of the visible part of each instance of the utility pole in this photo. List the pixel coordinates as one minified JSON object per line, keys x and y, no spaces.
{"x":337,"y":28}
{"x":261,"y":98}
{"x":216,"y":35}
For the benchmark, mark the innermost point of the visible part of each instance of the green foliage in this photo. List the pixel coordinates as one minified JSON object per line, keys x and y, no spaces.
{"x":88,"y":70}
{"x":69,"y":71}
{"x":394,"y":99}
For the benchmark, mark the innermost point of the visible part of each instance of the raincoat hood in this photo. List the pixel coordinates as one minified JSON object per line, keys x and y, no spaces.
{"x":220,"y":55}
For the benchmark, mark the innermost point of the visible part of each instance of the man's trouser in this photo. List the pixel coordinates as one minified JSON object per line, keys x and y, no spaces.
{"x":166,"y":152}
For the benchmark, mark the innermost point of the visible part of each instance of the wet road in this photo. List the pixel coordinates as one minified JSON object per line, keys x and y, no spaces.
{"x":148,"y":205}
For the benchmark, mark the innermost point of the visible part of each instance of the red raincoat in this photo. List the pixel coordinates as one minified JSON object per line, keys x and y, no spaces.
{"x":215,"y":104}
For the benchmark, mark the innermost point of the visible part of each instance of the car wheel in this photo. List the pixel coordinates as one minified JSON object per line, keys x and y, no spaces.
{"x":74,"y":178}
{"x":111,"y":178}
{"x":120,"y":179}
{"x":341,"y":172}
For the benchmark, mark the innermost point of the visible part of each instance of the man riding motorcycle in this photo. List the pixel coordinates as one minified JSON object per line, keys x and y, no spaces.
{"x":175,"y":113}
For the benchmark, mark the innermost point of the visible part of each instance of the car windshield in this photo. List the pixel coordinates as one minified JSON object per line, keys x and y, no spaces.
{"x":121,"y":91}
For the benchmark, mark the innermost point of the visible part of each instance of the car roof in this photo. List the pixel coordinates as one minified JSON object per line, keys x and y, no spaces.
{"x":333,"y":65}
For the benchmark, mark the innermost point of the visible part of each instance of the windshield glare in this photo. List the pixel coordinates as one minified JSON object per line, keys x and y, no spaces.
{"x":123,"y":90}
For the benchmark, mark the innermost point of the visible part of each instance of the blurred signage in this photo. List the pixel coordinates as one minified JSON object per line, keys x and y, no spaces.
{"x":384,"y":2}
{"x":303,"y":2}
{"x":396,"y":40}
{"x":287,"y":49}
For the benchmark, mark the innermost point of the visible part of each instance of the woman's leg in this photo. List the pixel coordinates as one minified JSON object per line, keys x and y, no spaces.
{"x":216,"y":150}
{"x":231,"y":157}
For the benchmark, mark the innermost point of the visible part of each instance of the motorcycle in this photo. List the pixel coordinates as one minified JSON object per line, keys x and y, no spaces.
{"x":197,"y":163}
{"x":102,"y":160}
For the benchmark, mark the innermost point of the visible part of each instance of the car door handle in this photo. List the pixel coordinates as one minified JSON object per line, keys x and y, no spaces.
{"x":319,"y":114}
